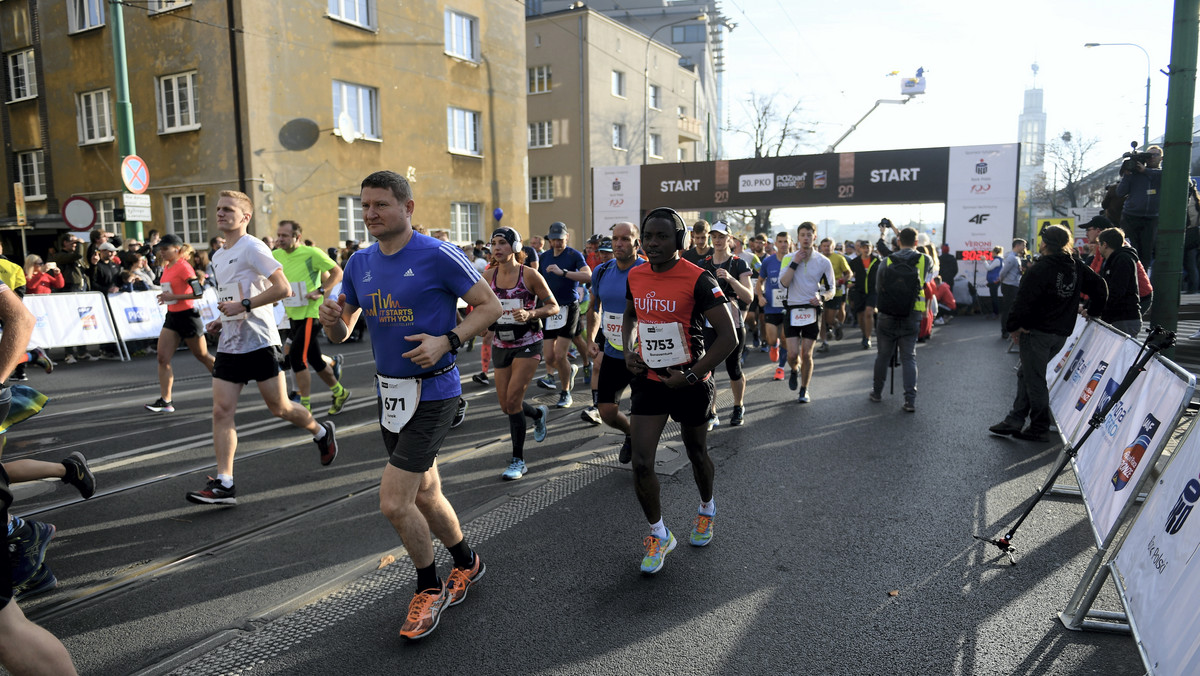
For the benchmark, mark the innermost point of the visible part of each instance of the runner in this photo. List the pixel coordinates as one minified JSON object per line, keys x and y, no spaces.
{"x":564,"y":269}
{"x":771,"y":298}
{"x":407,"y":285}
{"x":248,"y":280}
{"x":312,"y":274}
{"x":591,"y":371}
{"x":668,"y":301}
{"x":733,"y":275}
{"x":808,"y":278}
{"x":861,"y":294}
{"x":604,"y":326}
{"x":834,"y":313}
{"x":183,"y":323}
{"x":517,"y":340}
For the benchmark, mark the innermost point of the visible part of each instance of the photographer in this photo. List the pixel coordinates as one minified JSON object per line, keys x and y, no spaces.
{"x":1141,"y":178}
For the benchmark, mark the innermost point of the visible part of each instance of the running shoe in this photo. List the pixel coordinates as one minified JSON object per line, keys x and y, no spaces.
{"x":794,"y":380}
{"x":773,"y":354}
{"x":656,"y":552}
{"x":539,"y":424}
{"x":19,"y":377}
{"x":328,"y":443}
{"x":339,"y":401}
{"x":547,"y":383}
{"x":27,"y":550}
{"x":294,"y":395}
{"x":572,"y":353}
{"x":516,"y":470}
{"x":626,"y":452}
{"x":338,"y":362}
{"x":461,"y":580}
{"x":79,"y":474}
{"x":714,"y":421}
{"x":110,"y":356}
{"x":875,"y":397}
{"x":564,"y":400}
{"x":1004,"y":428}
{"x":571,"y":382}
{"x":214,"y":494}
{"x":866,"y":343}
{"x":803,"y":398}
{"x":72,"y":360}
{"x":460,"y":414}
{"x":482,"y":379}
{"x":41,"y":582}
{"x":161,"y":406}
{"x":702,"y":532}
{"x":591,"y":414}
{"x":88,"y":356}
{"x":42,"y":359}
{"x":424,"y":611}
{"x":587,"y":372}
{"x":778,"y":373}
{"x":823,"y":347}
{"x":910,"y":406}
{"x":939,"y":322}
{"x":739,"y":416}
{"x":837,"y":331}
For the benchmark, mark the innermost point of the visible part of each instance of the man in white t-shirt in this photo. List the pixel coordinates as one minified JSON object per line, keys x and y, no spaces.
{"x":249,"y":280}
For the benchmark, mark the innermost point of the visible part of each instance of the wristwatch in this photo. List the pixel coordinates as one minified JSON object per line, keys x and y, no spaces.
{"x":455,"y":342}
{"x":246,"y":304}
{"x":691,"y":377}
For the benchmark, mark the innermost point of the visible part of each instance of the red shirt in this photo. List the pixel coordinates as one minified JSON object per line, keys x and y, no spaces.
{"x":42,"y":282}
{"x":177,"y":275}
{"x":945,"y":296}
{"x":682,"y":294}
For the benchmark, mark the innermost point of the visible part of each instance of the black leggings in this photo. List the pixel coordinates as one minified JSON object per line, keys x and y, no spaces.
{"x":733,"y":363}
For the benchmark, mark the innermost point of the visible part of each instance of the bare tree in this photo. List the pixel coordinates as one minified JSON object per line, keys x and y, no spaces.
{"x":774,"y":129}
{"x":1068,"y":155}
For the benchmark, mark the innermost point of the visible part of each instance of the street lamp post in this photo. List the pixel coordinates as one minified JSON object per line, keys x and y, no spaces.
{"x":646,"y":84}
{"x":1146,"y":126}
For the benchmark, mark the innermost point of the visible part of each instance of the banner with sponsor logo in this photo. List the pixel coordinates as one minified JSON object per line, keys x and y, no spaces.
{"x":616,"y":197}
{"x":1095,"y":369}
{"x":68,"y":319}
{"x":1060,"y":360}
{"x":137,"y":315}
{"x":980,"y":198}
{"x":1157,"y":568}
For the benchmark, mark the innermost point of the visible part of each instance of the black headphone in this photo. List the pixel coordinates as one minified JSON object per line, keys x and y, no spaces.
{"x":669,"y":213}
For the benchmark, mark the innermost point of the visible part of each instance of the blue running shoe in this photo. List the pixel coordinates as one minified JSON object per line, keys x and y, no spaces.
{"x":42,"y":582}
{"x":338,"y":361}
{"x":27,"y":550}
{"x":539,"y":425}
{"x":516,"y":470}
{"x":656,"y":552}
{"x":702,"y":532}
{"x":794,"y":380}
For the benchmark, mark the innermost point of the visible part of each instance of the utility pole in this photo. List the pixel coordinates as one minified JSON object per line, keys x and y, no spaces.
{"x":126,"y":142}
{"x":1177,"y":155}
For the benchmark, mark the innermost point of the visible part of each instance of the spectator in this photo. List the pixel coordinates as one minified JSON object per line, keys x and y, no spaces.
{"x":1191,"y":242}
{"x":994,"y":268}
{"x":106,"y":275}
{"x":948,"y":264}
{"x":41,"y":278}
{"x":214,"y":244}
{"x":1010,"y":281}
{"x":946,"y":303}
{"x":141,"y":269}
{"x":1140,"y":184}
{"x":69,"y":260}
{"x":1120,"y":274}
{"x":200,"y":262}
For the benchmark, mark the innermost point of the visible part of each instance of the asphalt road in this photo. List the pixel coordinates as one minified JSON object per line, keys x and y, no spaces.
{"x":842,"y":539}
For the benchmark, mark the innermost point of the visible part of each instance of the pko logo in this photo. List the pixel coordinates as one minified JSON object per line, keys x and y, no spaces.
{"x":1183,"y":506}
{"x":616,"y":185}
{"x":981,"y":168}
{"x":135,"y":315}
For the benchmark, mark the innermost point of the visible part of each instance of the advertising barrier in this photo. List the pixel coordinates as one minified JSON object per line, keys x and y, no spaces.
{"x":70,"y":319}
{"x":1096,"y":365}
{"x":137,"y":315}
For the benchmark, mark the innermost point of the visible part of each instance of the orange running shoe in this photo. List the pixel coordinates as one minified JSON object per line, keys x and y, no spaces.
{"x":773,"y":353}
{"x":778,"y":373}
{"x":424,"y":611}
{"x":461,"y":580}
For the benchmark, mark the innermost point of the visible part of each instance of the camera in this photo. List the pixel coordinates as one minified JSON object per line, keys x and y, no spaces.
{"x":1134,"y":157}
{"x":884,"y":223}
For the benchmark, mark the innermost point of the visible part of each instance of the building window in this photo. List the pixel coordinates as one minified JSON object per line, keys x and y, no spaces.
{"x":22,"y":80}
{"x":361,"y":103}
{"x":104,"y":213}
{"x":85,"y":14}
{"x":350,"y":220}
{"x":656,"y":145}
{"x":166,"y":5}
{"x":539,"y":79}
{"x":462,"y":35}
{"x":655,"y":97}
{"x":618,"y":83}
{"x":357,"y":12}
{"x":541,"y":188}
{"x":463,"y":131}
{"x":464,"y":221}
{"x":177,"y":107}
{"x":693,"y":33}
{"x":188,"y":218}
{"x":618,"y":136}
{"x":32,"y":174}
{"x":681,"y":155}
{"x":682,"y":111}
{"x":540,"y":135}
{"x":95,"y":118}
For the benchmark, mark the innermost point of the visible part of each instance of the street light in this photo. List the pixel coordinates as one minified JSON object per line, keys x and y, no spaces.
{"x":1146,"y":126}
{"x":646,"y":84}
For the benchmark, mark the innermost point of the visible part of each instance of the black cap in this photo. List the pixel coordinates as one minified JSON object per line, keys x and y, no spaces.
{"x":169,"y":240}
{"x":1098,"y":222}
{"x":558,"y":230}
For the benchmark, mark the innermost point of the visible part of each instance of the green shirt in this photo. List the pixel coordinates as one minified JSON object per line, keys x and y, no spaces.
{"x":305,"y":264}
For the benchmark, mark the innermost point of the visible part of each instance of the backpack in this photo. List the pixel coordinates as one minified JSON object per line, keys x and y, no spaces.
{"x":900,"y":284}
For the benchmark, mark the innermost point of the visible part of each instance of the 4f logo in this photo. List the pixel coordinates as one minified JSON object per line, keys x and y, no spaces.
{"x":978,"y":219}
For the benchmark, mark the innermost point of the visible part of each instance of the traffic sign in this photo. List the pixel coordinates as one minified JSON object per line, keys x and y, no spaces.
{"x":137,"y":207}
{"x":135,"y":174}
{"x":79,"y":213}
{"x":19,"y":199}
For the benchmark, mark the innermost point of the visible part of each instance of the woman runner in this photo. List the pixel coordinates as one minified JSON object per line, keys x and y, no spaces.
{"x":183,"y":320}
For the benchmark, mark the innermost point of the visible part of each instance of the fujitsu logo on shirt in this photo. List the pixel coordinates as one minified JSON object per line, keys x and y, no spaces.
{"x":652,"y":304}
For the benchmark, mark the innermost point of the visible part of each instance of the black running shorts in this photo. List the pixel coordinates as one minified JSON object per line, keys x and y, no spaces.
{"x":691,"y":405}
{"x":259,"y":365}
{"x":416,"y":447}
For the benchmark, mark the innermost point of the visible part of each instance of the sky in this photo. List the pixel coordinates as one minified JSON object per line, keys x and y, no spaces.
{"x":835,"y":57}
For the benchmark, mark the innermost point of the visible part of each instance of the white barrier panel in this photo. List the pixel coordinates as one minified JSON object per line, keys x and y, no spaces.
{"x":138,"y":315}
{"x":1158,"y":572}
{"x":1114,"y":458}
{"x":69,"y":319}
{"x":1102,"y":355}
{"x":1059,"y":361}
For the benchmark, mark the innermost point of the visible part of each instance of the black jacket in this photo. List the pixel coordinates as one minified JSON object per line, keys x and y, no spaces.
{"x":1120,"y":274}
{"x":1048,"y":298}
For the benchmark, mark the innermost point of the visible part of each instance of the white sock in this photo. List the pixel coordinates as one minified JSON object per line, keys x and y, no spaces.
{"x":659,"y":530}
{"x":320,"y":433}
{"x":709,"y":508}
{"x":225,"y":479}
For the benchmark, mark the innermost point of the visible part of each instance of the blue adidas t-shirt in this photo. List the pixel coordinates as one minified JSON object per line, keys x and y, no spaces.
{"x":569,"y":260}
{"x":769,"y":271}
{"x":608,"y":285}
{"x":414,"y":290}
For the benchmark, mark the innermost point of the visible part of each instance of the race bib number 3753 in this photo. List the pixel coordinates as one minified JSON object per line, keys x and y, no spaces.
{"x":663,"y":345}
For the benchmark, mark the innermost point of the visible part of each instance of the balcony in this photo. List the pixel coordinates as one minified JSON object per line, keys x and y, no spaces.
{"x":690,"y":129}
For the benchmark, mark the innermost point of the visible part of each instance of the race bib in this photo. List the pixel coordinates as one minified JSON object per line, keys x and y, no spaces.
{"x":612,"y":329}
{"x":398,"y":398}
{"x":803,"y":316}
{"x":509,"y":305}
{"x":662,"y":345}
{"x":230,"y":292}
{"x":558,"y":320}
{"x":778,"y":297}
{"x":297,"y":298}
